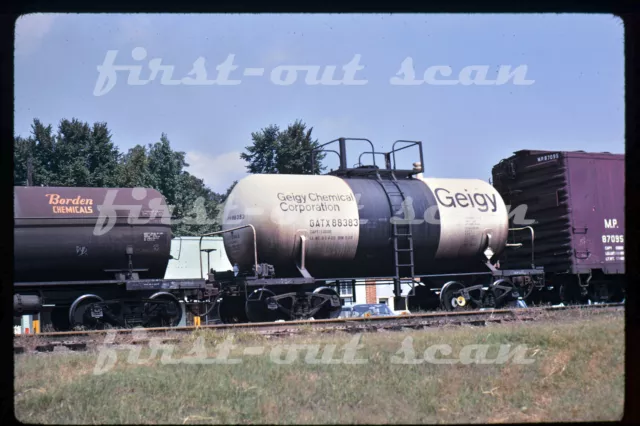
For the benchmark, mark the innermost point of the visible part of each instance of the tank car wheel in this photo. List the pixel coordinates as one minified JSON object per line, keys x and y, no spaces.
{"x":500,"y":290}
{"x":526,"y":289}
{"x":451,"y":297}
{"x":166,"y":314}
{"x":327,"y":311}
{"x":84,"y":313}
{"x":256,"y":306}
{"x":489,"y":300}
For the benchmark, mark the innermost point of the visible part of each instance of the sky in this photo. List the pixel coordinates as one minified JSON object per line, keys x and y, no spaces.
{"x":574,"y":100}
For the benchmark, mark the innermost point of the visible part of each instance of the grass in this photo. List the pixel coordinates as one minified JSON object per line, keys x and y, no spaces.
{"x":577,"y":375}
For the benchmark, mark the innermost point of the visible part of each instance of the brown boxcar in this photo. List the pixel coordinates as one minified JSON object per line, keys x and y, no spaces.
{"x":72,"y":234}
{"x":574,"y":201}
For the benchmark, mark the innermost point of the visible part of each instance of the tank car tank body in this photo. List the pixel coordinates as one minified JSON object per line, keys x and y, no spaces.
{"x":348,"y":224}
{"x":314,"y":232}
{"x":58,"y":236}
{"x":92,"y":255}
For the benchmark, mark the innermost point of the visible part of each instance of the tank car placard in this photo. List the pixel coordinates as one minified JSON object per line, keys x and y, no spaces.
{"x":282,"y":208}
{"x":469,"y":209}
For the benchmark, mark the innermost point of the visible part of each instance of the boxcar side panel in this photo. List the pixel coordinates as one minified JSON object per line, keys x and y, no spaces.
{"x":596,"y":199}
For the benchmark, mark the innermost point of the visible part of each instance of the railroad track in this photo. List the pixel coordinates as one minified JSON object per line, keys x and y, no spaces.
{"x":82,"y":340}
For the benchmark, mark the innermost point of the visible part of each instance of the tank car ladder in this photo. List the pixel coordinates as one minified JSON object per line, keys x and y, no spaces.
{"x":402,"y":236}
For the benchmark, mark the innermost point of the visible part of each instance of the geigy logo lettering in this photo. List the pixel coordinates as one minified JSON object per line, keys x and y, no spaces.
{"x":481,"y":201}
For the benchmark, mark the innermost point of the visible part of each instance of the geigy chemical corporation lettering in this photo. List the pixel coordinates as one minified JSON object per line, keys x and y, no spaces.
{"x":292,"y":202}
{"x":312,"y":202}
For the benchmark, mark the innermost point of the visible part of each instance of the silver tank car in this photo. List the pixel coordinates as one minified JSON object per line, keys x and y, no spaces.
{"x":348,"y":224}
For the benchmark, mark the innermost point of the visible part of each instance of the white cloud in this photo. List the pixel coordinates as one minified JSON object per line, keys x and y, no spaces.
{"x":218,"y":172}
{"x":30,"y":30}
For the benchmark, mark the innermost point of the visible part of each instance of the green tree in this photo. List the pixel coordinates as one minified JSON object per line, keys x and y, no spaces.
{"x":23,"y":151}
{"x":194,"y":206}
{"x":102,"y":157}
{"x":262,"y":154}
{"x":37,"y":149}
{"x":221,"y":198}
{"x":133,"y":169}
{"x":78,"y":155}
{"x":165,"y":166}
{"x":283,"y":152}
{"x":71,"y":157}
{"x":43,"y":154}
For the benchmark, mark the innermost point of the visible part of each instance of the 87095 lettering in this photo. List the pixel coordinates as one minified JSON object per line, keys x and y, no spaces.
{"x":613,"y":238}
{"x":326,"y":223}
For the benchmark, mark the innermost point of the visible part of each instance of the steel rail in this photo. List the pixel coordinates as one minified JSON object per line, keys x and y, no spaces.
{"x":352,"y":321}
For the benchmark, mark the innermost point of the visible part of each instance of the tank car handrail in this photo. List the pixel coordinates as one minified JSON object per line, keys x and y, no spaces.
{"x":179,"y":249}
{"x":343,"y":150}
{"x":255,"y":245}
{"x":411,"y":143}
{"x":368,"y":152}
{"x":321,"y":150}
{"x":533,"y":265}
{"x":347,"y":139}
